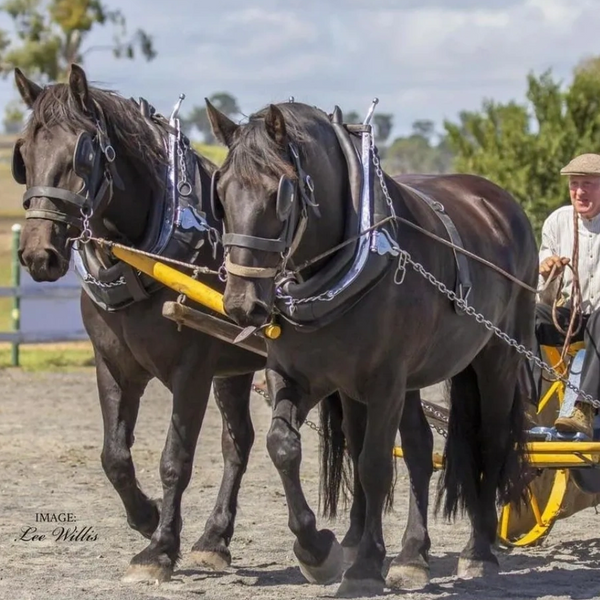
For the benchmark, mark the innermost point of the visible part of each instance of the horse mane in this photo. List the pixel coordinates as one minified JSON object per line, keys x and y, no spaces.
{"x":254,"y":154}
{"x":128,"y":129}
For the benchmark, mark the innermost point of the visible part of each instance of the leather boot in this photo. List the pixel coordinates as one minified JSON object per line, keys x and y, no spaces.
{"x":580,"y":421}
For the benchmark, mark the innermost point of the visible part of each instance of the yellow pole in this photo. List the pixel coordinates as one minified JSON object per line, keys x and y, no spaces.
{"x":184,"y":284}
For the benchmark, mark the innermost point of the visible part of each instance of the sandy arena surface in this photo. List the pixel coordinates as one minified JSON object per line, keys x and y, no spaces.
{"x":50,"y":441}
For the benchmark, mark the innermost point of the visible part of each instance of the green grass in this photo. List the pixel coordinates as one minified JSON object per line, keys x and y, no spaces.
{"x":215,"y":154}
{"x":51,"y":357}
{"x":5,"y":273}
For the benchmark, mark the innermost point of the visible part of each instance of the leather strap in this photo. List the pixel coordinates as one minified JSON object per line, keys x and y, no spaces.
{"x":52,"y":215}
{"x":40,"y":191}
{"x":463,"y":280}
{"x":255,"y":243}
{"x":254,"y":272}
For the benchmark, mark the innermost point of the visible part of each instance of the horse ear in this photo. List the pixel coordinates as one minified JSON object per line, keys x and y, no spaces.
{"x":275,"y":124}
{"x":28,"y":89}
{"x":79,"y":87}
{"x":222,"y":126}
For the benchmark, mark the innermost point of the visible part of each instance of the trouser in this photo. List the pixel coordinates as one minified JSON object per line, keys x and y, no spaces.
{"x":547,"y":334}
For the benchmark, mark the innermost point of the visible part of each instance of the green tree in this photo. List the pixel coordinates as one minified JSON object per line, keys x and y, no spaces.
{"x":523,"y":145}
{"x":352,"y":117}
{"x":49,"y":35}
{"x":198,"y":117}
{"x":382,"y":125}
{"x":13,"y":117}
{"x":416,"y":153}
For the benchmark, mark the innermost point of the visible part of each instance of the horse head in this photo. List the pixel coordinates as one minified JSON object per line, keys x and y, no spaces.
{"x":88,"y":159}
{"x":280,"y":193}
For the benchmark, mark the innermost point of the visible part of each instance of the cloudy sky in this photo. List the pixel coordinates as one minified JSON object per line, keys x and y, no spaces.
{"x":422,"y":58}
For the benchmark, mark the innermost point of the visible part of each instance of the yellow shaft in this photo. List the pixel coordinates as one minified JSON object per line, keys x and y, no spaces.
{"x":184,"y":284}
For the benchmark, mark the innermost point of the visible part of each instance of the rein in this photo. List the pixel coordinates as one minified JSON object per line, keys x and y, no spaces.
{"x":433,"y":236}
{"x":576,"y":294}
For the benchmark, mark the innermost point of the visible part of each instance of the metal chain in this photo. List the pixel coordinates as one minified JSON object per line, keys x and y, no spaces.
{"x":266,"y":396}
{"x":380,"y":176}
{"x":426,"y":407}
{"x":438,"y":415}
{"x":86,"y":231}
{"x":183,"y":185}
{"x":292,"y":302}
{"x":103,"y":242}
{"x":520,"y":348}
{"x":108,"y":284}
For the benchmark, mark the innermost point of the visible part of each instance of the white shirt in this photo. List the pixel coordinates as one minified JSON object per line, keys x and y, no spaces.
{"x":557,"y":239}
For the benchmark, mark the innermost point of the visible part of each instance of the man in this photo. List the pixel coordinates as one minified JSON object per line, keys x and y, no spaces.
{"x":556,"y":249}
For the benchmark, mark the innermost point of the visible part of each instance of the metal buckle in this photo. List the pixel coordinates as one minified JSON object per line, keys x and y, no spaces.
{"x":385,"y":244}
{"x":400,"y":272}
{"x":461,"y":292}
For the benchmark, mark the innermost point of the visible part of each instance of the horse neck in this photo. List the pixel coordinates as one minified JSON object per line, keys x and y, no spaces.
{"x":129,"y":208}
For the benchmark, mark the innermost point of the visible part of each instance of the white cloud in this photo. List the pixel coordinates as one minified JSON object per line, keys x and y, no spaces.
{"x":423,"y":58}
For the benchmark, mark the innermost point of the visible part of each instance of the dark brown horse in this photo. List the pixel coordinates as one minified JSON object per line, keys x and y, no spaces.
{"x":290,"y":190}
{"x":135,"y":343}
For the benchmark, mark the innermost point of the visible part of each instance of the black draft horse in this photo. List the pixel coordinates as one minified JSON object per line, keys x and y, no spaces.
{"x":135,"y":344}
{"x":400,"y":336}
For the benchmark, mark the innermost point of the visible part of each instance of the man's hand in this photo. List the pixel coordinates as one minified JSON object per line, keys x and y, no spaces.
{"x":547,"y":265}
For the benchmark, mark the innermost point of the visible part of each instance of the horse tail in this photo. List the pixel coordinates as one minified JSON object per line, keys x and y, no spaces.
{"x":514,"y":474}
{"x":335,"y":470}
{"x":463,"y":459}
{"x":462,"y":456}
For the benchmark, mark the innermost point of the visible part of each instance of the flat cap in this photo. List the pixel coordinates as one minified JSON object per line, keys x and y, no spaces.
{"x":584,"y":164}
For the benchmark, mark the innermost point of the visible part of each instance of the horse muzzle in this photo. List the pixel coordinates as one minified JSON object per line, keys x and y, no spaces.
{"x":44,"y":264}
{"x":246,"y":308}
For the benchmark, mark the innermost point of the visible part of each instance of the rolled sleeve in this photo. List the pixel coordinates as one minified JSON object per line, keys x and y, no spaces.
{"x":548,"y":247}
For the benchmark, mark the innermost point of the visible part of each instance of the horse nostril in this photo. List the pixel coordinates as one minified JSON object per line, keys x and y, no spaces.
{"x":53,"y":260}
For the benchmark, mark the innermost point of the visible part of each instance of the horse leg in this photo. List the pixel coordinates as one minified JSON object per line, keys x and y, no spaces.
{"x":375,"y":469}
{"x":190,"y":384}
{"x":120,"y":389}
{"x":410,"y":569}
{"x":232,"y":395}
{"x":318,"y":552}
{"x":354,"y":423}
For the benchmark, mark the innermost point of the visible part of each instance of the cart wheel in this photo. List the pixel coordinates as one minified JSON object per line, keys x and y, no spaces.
{"x":529,"y":527}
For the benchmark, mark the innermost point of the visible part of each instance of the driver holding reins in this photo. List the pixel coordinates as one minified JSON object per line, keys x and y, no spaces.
{"x":574,"y":284}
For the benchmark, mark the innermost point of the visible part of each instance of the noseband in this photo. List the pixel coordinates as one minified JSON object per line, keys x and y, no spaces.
{"x":93,"y":162}
{"x":293,"y":200}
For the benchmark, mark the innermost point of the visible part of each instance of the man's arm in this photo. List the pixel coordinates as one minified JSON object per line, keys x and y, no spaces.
{"x":549,"y":258}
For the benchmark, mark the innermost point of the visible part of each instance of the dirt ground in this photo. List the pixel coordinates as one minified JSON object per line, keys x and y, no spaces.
{"x":50,"y":441}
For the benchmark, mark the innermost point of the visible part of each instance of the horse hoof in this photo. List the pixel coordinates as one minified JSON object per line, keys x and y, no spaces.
{"x":329,"y":570}
{"x":407,"y":577}
{"x":350,"y":553}
{"x":147,"y":574}
{"x":469,"y":568}
{"x":213,"y":560}
{"x":357,"y":588}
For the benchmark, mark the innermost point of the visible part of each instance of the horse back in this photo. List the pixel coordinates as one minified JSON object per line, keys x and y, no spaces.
{"x":491,"y":222}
